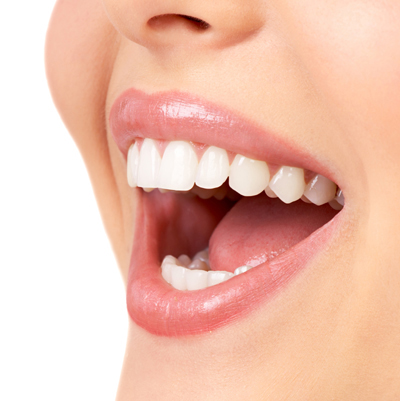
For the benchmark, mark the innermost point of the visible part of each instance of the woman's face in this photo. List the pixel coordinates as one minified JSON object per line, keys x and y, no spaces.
{"x":311,"y":84}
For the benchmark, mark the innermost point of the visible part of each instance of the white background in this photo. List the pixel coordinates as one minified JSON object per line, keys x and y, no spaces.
{"x":63,"y":323}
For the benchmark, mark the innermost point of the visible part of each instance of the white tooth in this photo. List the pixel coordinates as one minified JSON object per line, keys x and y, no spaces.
{"x":270,"y":193}
{"x":288,"y":184}
{"x":196,"y":279}
{"x":339,"y":197}
{"x":148,"y":189}
{"x":221,"y":192}
{"x":133,"y":164}
{"x":169,"y":260}
{"x":184,"y":260}
{"x":166,"y":272}
{"x":335,"y":205}
{"x":149,"y":165}
{"x":198,"y":265}
{"x":320,"y":190}
{"x":178,"y":279}
{"x":216,"y":277}
{"x":204,"y":193}
{"x":242,"y":269}
{"x":304,"y":199}
{"x":248,"y":177}
{"x":178,"y":167}
{"x":213,"y":168}
{"x":202,"y":255}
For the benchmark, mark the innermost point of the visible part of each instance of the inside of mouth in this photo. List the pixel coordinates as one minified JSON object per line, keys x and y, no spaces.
{"x":238,"y":231}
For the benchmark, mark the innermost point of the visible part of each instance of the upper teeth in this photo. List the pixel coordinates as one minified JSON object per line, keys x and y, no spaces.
{"x":179,"y":169}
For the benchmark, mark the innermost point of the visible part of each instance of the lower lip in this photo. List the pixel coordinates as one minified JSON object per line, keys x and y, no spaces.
{"x":162,"y":310}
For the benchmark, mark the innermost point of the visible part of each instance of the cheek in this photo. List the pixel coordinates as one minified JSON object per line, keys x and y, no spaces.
{"x":81,"y":47}
{"x":79,"y":56}
{"x":352,"y":51}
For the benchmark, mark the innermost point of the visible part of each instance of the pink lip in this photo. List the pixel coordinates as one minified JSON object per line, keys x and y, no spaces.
{"x":175,"y":115}
{"x":152,"y":303}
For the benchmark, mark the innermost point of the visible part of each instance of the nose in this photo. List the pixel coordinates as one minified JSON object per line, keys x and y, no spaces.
{"x":172,"y":23}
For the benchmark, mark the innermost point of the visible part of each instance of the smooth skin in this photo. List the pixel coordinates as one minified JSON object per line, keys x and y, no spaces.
{"x":323,"y":74}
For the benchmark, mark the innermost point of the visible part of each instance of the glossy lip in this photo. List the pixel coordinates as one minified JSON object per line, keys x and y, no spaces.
{"x":181,"y":116}
{"x":152,"y":303}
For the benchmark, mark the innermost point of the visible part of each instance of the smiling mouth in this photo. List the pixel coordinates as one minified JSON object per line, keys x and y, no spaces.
{"x":228,"y":226}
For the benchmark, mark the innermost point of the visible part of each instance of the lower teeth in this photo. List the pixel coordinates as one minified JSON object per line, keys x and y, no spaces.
{"x":186,"y":274}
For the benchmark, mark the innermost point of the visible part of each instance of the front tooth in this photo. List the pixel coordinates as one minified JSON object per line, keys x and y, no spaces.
{"x":320,"y":190}
{"x":169,"y":259}
{"x":132,"y":165}
{"x":149,"y":165}
{"x":166,"y":269}
{"x":213,"y":168}
{"x":178,"y":167}
{"x":248,"y":177}
{"x":288,"y":184}
{"x":178,"y":277}
{"x":241,"y":269}
{"x":196,"y":279}
{"x":216,"y":277}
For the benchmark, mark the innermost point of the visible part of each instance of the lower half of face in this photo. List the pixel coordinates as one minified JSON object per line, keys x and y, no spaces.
{"x":245,"y":157}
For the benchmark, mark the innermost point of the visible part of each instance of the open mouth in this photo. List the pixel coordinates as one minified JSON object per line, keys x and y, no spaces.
{"x":226,"y":213}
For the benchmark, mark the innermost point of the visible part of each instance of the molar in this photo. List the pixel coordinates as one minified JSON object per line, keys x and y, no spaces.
{"x":288,"y":184}
{"x":339,"y":197}
{"x":320,"y":190}
{"x":335,"y":205}
{"x":338,"y":202}
{"x":248,"y":177}
{"x":184,"y":260}
{"x":198,"y":264}
{"x":202,"y":255}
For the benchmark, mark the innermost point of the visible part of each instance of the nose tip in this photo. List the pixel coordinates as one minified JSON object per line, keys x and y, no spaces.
{"x":166,"y":23}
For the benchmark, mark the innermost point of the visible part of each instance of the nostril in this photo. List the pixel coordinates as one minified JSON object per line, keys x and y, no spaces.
{"x":160,"y":22}
{"x":199,"y":24}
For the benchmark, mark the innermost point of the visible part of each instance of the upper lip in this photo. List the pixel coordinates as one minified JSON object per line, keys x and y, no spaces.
{"x":177,"y":115}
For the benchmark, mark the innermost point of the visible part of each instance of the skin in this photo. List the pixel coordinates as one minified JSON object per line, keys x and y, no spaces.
{"x":322,"y":74}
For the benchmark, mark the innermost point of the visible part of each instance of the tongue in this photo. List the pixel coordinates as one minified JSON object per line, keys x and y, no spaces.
{"x":258,"y":229}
